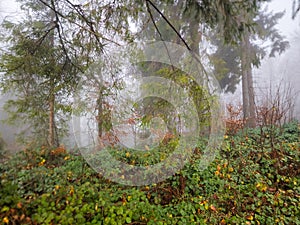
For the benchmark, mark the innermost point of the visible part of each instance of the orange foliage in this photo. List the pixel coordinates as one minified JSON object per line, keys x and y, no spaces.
{"x":167,"y":138}
{"x":234,"y":121}
{"x":58,"y":151}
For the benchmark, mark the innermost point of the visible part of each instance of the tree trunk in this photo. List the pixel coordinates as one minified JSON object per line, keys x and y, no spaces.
{"x":52,"y":139}
{"x":52,"y":135}
{"x":100,"y":113}
{"x":247,"y":84}
{"x":245,"y":94}
{"x":252,"y":114}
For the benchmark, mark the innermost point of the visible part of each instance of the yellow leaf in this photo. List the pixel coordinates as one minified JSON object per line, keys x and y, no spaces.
{"x":203,"y":202}
{"x":287,"y":180}
{"x":249,"y":217}
{"x":71,"y":192}
{"x":264,"y":188}
{"x":206,"y":206}
{"x":5,"y":220}
{"x":5,"y":209}
{"x":41,"y":163}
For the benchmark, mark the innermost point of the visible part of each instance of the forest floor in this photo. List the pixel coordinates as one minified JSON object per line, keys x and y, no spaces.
{"x":255,"y":179}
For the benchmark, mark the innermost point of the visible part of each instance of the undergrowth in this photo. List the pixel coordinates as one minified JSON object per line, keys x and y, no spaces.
{"x":253,"y":180}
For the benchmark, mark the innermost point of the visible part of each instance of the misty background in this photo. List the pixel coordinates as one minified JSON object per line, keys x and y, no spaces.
{"x":282,"y":71}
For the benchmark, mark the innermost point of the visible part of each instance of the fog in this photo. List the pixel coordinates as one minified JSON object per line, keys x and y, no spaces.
{"x":8,"y":132}
{"x":281,"y":70}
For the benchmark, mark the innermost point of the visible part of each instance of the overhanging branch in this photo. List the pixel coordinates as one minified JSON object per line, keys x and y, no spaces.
{"x":295,"y":9}
{"x":194,"y":55}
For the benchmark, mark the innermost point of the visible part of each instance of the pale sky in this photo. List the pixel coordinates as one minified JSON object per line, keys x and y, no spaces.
{"x":286,"y":24}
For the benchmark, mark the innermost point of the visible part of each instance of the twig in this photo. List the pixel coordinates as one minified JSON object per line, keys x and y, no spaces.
{"x":194,"y":55}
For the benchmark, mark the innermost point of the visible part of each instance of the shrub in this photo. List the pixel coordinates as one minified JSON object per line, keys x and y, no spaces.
{"x":234,"y":120}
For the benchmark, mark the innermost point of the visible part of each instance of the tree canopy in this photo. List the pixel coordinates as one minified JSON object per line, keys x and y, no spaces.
{"x":48,"y":51}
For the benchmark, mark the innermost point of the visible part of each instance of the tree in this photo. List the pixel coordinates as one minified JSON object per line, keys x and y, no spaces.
{"x":58,"y":38}
{"x":236,"y":61}
{"x":92,"y":28}
{"x":39,"y":73}
{"x":221,"y":15}
{"x":53,"y":43}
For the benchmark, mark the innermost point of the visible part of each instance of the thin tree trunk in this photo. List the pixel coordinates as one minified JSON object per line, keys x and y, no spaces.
{"x":245,"y":94}
{"x":52,"y":135}
{"x":245,"y":90}
{"x":100,"y":114}
{"x":53,"y":140}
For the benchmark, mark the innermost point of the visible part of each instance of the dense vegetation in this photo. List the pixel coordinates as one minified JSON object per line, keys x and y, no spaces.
{"x":254,"y":180}
{"x":57,"y":44}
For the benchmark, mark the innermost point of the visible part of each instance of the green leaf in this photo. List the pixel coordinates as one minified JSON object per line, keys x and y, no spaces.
{"x":128,"y":220}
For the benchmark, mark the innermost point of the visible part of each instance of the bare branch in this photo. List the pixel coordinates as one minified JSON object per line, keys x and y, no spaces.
{"x":168,"y":22}
{"x":295,"y":10}
{"x":194,"y":55}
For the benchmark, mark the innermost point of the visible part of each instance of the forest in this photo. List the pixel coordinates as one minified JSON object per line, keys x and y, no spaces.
{"x":119,"y":112}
